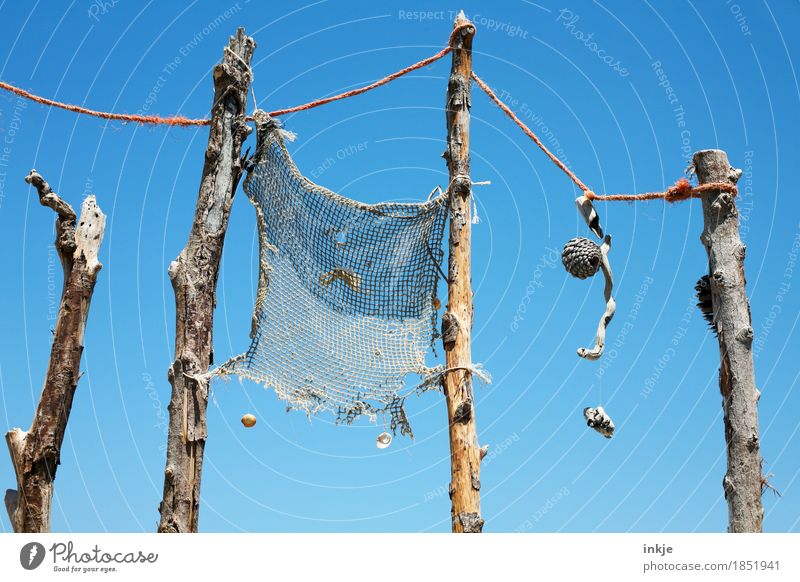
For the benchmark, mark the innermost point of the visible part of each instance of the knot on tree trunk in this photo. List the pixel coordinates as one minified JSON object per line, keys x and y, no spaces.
{"x":463,"y":412}
{"x":470,"y":522}
{"x":450,"y":327}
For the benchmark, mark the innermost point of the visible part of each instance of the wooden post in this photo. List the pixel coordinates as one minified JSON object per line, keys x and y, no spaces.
{"x":743,"y":483}
{"x":36,"y":453}
{"x":194,"y":279}
{"x":465,"y":459}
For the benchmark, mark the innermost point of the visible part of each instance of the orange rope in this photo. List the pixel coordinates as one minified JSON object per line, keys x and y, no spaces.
{"x":178,"y":120}
{"x":387,"y":79}
{"x":175,"y":120}
{"x":682,"y":190}
{"x":529,"y":133}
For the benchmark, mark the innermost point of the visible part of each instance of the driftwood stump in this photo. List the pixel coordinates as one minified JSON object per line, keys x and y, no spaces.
{"x":743,"y":482}
{"x":465,"y":454}
{"x":194,"y":279}
{"x":36,"y":453}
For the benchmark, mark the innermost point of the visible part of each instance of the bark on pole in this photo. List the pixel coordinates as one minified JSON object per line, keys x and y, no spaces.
{"x":36,"y":453}
{"x":742,"y":484}
{"x":194,"y":279}
{"x":465,"y":458}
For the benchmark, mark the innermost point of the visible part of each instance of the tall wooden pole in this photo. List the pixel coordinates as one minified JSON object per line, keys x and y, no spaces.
{"x":194,"y":279}
{"x":465,"y":460}
{"x":36,"y":453}
{"x":743,"y":482}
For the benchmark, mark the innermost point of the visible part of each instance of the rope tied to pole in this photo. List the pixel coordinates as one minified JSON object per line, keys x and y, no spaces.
{"x":681,"y":190}
{"x":179,"y":120}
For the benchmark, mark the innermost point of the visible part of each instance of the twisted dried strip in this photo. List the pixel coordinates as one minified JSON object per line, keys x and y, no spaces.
{"x":611,"y":306}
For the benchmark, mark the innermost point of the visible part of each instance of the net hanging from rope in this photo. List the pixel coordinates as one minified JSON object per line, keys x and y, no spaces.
{"x":346,"y":304}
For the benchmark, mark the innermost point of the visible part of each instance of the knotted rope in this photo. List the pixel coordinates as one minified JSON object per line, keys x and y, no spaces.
{"x":178,"y":120}
{"x":681,"y":190}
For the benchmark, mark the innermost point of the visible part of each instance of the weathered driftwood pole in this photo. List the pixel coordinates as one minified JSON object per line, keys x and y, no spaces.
{"x":194,"y":279}
{"x":743,"y":482}
{"x":36,"y":453}
{"x":457,"y":321}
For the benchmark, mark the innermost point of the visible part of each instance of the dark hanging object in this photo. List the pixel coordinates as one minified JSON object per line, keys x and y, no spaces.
{"x":597,"y":419}
{"x":581,"y":257}
{"x":703,"y":289}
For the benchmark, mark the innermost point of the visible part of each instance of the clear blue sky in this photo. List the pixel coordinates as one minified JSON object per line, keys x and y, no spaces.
{"x":655,"y":82}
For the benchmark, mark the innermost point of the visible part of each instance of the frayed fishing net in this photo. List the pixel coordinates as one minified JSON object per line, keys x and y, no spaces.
{"x":346,"y":305}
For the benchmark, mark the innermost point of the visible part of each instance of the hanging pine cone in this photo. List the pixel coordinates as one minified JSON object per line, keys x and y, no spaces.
{"x":581,"y":257}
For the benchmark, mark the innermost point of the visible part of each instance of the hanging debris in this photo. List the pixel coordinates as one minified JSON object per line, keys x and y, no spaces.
{"x":384,"y":440}
{"x":611,"y":306}
{"x":589,"y":214}
{"x":581,"y":257}
{"x":597,"y":419}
